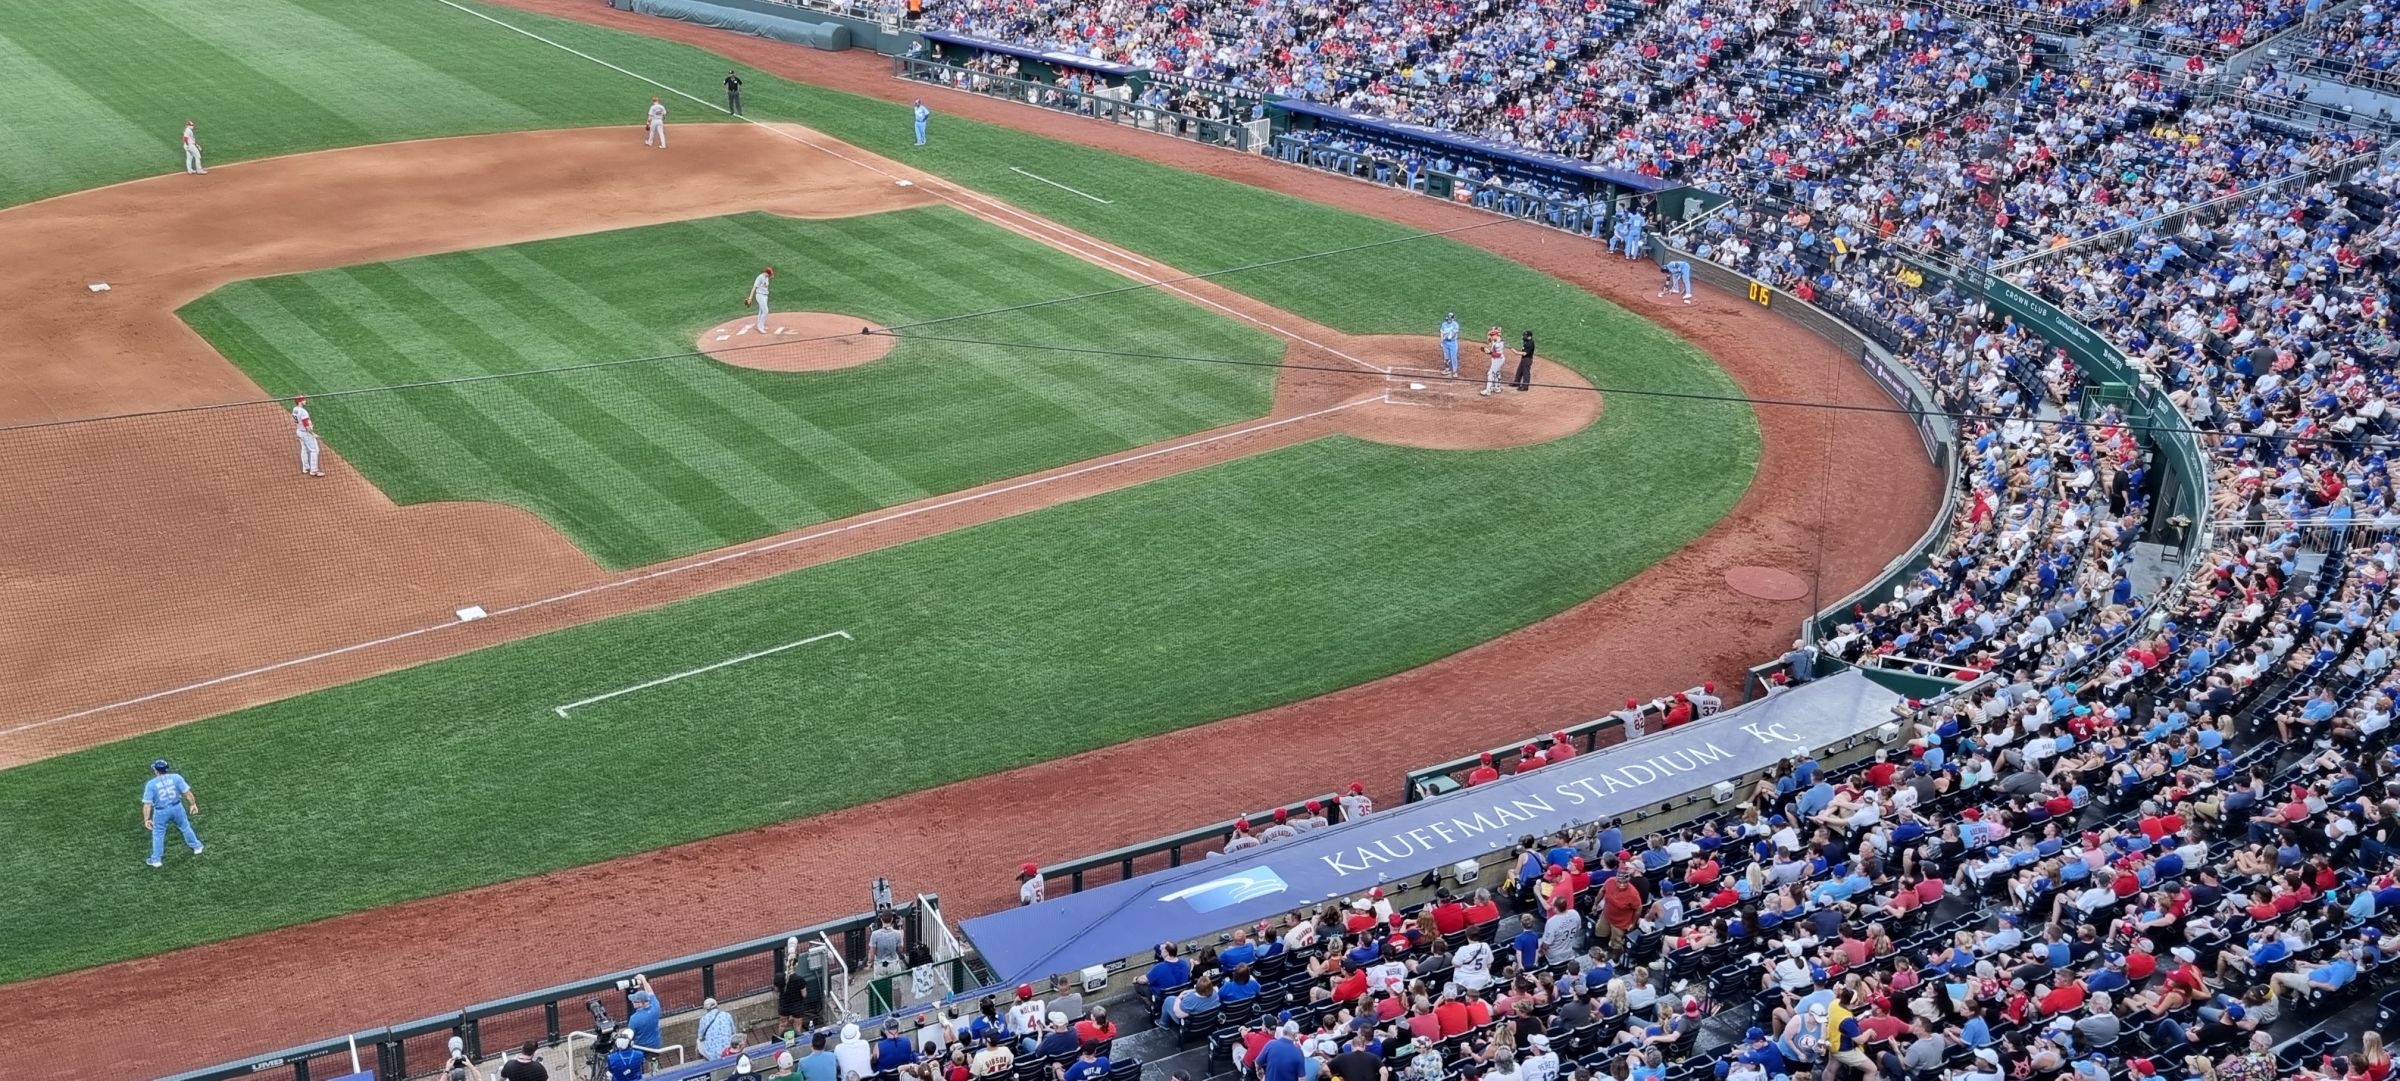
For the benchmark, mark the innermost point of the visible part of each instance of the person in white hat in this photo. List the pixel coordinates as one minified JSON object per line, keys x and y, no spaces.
{"x":714,"y":1034}
{"x":627,"y":1063}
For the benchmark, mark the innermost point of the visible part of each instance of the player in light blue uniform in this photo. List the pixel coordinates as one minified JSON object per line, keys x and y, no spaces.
{"x":1632,"y":235}
{"x":168,"y":799}
{"x":920,"y":112}
{"x":1679,"y":279}
{"x":1450,"y":345}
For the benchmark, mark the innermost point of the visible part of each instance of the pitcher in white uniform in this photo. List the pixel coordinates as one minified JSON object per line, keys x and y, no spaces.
{"x":191,"y":149}
{"x":658,"y":125}
{"x":306,"y":429}
{"x":758,"y":295}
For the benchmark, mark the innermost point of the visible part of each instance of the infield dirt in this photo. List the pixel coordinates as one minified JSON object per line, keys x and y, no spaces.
{"x":1837,"y":495}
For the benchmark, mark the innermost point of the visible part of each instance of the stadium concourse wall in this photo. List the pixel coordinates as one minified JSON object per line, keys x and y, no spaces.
{"x":831,"y":25}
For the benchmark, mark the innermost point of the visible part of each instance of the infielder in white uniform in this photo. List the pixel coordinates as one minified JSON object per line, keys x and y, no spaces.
{"x":306,"y":429}
{"x":1499,"y":355}
{"x":758,"y":295}
{"x":658,"y":125}
{"x":191,"y":148}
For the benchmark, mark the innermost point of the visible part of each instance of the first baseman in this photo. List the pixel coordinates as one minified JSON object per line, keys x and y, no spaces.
{"x":758,"y":295}
{"x":306,"y":429}
{"x":1497,"y":352}
{"x":658,"y":125}
{"x":1450,"y":345}
{"x":167,"y":798}
{"x":191,"y":149}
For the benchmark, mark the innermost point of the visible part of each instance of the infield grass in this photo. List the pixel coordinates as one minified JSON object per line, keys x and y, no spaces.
{"x":644,"y":461}
{"x":1203,"y":595}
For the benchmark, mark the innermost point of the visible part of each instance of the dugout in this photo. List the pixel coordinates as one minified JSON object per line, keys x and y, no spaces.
{"x":1043,"y":66}
{"x":1605,"y":190}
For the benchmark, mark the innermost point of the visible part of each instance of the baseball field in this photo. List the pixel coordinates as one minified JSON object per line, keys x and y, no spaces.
{"x":1137,"y":460}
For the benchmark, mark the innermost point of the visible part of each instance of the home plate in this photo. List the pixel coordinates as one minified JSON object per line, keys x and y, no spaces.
{"x":906,"y":183}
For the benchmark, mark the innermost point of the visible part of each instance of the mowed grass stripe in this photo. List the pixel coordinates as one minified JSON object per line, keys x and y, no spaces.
{"x":265,"y":310}
{"x":716,"y":455}
{"x":44,"y":100}
{"x":312,"y":56}
{"x":849,"y":480}
{"x":681,"y":508}
{"x":237,"y":105}
{"x":514,"y":298}
{"x":512,"y":439}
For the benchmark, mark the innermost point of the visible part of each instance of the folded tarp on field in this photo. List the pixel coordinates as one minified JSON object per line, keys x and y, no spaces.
{"x":796,"y":27}
{"x":1125,"y":919}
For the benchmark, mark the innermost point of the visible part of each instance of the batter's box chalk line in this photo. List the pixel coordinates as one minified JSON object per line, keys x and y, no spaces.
{"x":664,"y":680}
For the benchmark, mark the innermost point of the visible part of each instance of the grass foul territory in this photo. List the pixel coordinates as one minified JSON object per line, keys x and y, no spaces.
{"x":1203,"y":595}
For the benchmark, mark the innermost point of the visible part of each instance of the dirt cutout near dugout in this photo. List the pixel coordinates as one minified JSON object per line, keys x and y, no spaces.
{"x":1669,"y":626}
{"x":796,"y":342}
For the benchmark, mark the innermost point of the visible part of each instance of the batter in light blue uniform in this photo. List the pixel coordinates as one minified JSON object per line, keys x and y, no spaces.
{"x":1450,"y":345}
{"x":1679,"y":279}
{"x":921,"y":112}
{"x":168,"y":799}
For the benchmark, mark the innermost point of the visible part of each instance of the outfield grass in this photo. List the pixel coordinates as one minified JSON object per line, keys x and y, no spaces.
{"x":642,"y":462}
{"x":1265,"y":580}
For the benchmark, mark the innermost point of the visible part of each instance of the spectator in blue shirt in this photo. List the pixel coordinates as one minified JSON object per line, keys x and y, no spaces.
{"x":1170,"y":972}
{"x":893,"y":1050}
{"x":646,"y":1010}
{"x":1091,"y":1065}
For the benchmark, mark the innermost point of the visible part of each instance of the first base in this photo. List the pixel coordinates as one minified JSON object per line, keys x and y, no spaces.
{"x":99,"y":287}
{"x":906,"y":183}
{"x":1416,"y":386}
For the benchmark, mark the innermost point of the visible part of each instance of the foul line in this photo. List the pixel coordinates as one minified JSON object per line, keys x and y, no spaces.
{"x":1062,"y":187}
{"x":1091,"y":248}
{"x":663,"y":572}
{"x":664,"y":680}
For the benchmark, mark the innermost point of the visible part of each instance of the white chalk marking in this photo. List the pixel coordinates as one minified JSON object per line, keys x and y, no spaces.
{"x":1061,"y":237}
{"x":679,"y":568}
{"x":664,"y":680}
{"x":1062,"y":187}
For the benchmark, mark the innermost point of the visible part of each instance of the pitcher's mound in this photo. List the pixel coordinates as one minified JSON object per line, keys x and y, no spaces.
{"x":796,"y":342}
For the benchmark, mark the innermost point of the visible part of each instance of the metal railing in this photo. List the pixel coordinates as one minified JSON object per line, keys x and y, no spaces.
{"x":727,"y":972}
{"x":1111,"y":105}
{"x":1133,"y":859}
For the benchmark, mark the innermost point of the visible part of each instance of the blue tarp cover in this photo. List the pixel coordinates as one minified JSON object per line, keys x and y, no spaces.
{"x":1125,"y":919}
{"x":1054,"y":57}
{"x":1468,"y":144}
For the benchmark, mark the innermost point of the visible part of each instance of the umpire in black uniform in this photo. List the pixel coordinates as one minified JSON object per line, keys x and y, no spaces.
{"x":733,"y":93}
{"x":1524,"y":379}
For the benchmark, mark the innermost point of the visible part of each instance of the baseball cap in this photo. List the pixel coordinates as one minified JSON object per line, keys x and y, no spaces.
{"x":160,"y":765}
{"x":1029,"y":868}
{"x":1358,"y":786}
{"x":1058,"y":1017}
{"x":1281,"y":814}
{"x":1315,"y":806}
{"x":1539,"y":1040}
{"x":1755,"y":1033}
{"x":1241,"y":823}
{"x":1024,"y":991}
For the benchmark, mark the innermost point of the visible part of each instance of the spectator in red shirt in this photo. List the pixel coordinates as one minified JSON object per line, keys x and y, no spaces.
{"x":1679,"y":711}
{"x":1620,"y":909}
{"x":1882,"y":772}
{"x":1704,"y":870}
{"x":1449,"y":917}
{"x":1451,"y":1013}
{"x":1483,"y":910}
{"x":2066,"y":997}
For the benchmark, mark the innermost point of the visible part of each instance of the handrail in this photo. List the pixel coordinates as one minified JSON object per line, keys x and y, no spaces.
{"x":390,"y":1042}
{"x":1172,"y":845}
{"x":2300,"y":179}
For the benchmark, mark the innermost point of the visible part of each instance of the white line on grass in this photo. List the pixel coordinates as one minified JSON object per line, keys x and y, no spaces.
{"x":664,"y":680}
{"x":1062,"y":187}
{"x":679,"y":568}
{"x":1086,"y":246}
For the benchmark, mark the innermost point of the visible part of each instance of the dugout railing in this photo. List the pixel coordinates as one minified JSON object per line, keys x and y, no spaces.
{"x":550,"y":1015}
{"x":1172,"y":850}
{"x":1121,"y":106}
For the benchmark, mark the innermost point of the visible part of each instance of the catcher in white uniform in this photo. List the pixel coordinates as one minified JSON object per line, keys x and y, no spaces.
{"x":306,"y":429}
{"x":758,"y":295}
{"x":658,"y":125}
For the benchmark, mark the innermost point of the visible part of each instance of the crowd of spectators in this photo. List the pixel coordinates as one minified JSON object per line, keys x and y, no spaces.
{"x":2219,"y":27}
{"x":2360,"y":45}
